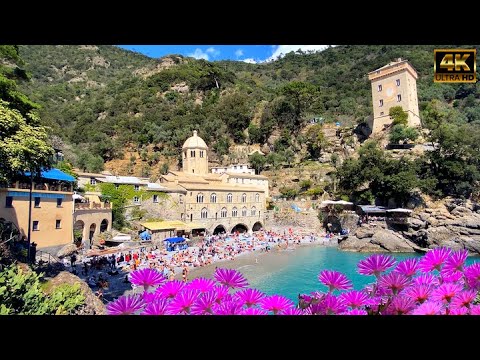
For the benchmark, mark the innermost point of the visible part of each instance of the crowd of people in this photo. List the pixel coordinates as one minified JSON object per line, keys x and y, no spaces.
{"x":211,"y":249}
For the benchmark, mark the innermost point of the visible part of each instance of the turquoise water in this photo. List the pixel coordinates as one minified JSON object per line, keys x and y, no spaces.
{"x":297,"y":271}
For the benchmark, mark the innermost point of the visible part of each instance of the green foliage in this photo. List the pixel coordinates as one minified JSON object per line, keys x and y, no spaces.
{"x":21,"y":293}
{"x":305,"y":184}
{"x":164,"y":169}
{"x":288,"y":193}
{"x":67,"y":168}
{"x":315,"y":141}
{"x":402,"y":133}
{"x":138,"y":214}
{"x":90,"y":163}
{"x":257,"y":161}
{"x":120,"y":197}
{"x":399,"y":116}
{"x":376,"y":175}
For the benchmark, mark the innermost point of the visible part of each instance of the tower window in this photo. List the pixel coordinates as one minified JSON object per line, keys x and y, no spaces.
{"x":201,"y":154}
{"x":192,"y":153}
{"x":399,"y":98}
{"x":398,"y":82}
{"x":379,"y":88}
{"x":380,"y":103}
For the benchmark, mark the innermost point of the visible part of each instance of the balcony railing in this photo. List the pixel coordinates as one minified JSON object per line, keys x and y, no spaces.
{"x":40,"y":186}
{"x":92,"y":206}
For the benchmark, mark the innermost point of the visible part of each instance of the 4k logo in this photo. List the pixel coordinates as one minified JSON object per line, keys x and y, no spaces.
{"x":455,"y":65}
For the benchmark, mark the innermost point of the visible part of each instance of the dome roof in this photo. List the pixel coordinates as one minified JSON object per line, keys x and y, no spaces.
{"x":194,"y":142}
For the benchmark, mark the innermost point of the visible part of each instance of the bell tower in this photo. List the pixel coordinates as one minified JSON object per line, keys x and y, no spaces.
{"x":194,"y":155}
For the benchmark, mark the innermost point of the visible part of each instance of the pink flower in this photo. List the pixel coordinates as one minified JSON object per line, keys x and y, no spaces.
{"x":157,"y":307}
{"x":329,"y":305}
{"x":475,"y":310}
{"x":455,"y":261}
{"x":253,"y":311}
{"x":231,"y":307}
{"x":419,"y":293}
{"x":146,"y":278}
{"x":426,"y":279}
{"x":183,"y":302}
{"x":170,"y":289}
{"x":276,"y":303}
{"x":394,"y":281}
{"x":375,"y":264}
{"x":334,"y":280}
{"x":354,"y":298}
{"x":231,"y":278}
{"x":445,"y":292}
{"x":434,"y":259}
{"x":428,"y":308}
{"x":201,"y":284}
{"x":451,"y":276}
{"x":249,"y":297}
{"x":354,"y":312}
{"x":221,"y":291}
{"x":458,"y":311}
{"x":125,"y":305}
{"x":401,"y":305}
{"x":472,"y":273}
{"x":407,"y":267}
{"x":148,"y":297}
{"x":292,"y":311}
{"x":464,"y":298}
{"x":205,"y":303}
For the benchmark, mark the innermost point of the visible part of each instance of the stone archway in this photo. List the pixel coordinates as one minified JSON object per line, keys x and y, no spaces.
{"x":257,"y":226}
{"x":219,"y":229}
{"x":241,"y":228}
{"x":332,"y":223}
{"x":78,"y":231}
{"x":93,"y":227}
{"x":104,"y":225}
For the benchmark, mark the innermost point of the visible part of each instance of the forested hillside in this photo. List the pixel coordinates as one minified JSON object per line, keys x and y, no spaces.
{"x":104,"y":101}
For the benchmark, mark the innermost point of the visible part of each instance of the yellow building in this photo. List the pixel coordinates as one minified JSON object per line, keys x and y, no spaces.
{"x":52,"y":208}
{"x":221,"y":202}
{"x":394,"y":84}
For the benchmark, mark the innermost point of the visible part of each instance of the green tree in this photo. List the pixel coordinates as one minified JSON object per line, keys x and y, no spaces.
{"x":257,"y":161}
{"x":402,"y":133}
{"x":67,"y":168}
{"x":315,"y":141}
{"x":399,"y":116}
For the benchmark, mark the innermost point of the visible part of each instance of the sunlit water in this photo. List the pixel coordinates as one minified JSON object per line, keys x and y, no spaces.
{"x":291,"y":273}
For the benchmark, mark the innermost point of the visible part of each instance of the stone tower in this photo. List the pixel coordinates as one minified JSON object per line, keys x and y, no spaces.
{"x":194,"y":155}
{"x":394,"y":84}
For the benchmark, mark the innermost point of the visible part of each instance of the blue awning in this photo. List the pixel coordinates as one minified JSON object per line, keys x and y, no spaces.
{"x":174,"y":240}
{"x":54,"y":174}
{"x":34,"y":194}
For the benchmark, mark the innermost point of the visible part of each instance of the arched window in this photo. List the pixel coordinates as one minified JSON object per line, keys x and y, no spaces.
{"x":223,"y":213}
{"x":213,"y":198}
{"x":234,"y":212}
{"x":200,"y":198}
{"x":254,"y":210}
{"x":244,"y":197}
{"x":204,"y":213}
{"x":244,"y":211}
{"x":257,"y":197}
{"x":229,"y":197}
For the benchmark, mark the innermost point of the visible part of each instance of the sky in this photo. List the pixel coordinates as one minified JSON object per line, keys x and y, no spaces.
{"x":246,"y":53}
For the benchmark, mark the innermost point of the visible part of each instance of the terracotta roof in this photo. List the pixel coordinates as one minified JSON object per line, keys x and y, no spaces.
{"x":244,"y":175}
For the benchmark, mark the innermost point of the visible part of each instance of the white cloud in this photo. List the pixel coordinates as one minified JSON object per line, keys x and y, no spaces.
{"x":280,"y":50}
{"x":239,"y":53}
{"x":213,"y":51}
{"x":199,"y":54}
{"x":250,"y":60}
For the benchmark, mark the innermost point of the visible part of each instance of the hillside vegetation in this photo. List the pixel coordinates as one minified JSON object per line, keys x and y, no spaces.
{"x":106,"y":103}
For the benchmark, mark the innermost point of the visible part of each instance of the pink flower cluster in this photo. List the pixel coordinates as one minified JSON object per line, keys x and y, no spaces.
{"x":437,"y":284}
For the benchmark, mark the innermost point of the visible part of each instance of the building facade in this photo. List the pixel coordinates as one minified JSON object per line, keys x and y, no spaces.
{"x":52,"y":208}
{"x":394,"y":84}
{"x":220,"y":201}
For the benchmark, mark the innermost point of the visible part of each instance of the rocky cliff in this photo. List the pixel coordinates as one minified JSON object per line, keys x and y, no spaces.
{"x":453,"y":223}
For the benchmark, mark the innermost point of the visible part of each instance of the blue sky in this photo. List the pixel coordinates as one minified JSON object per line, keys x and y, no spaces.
{"x":246,"y":53}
